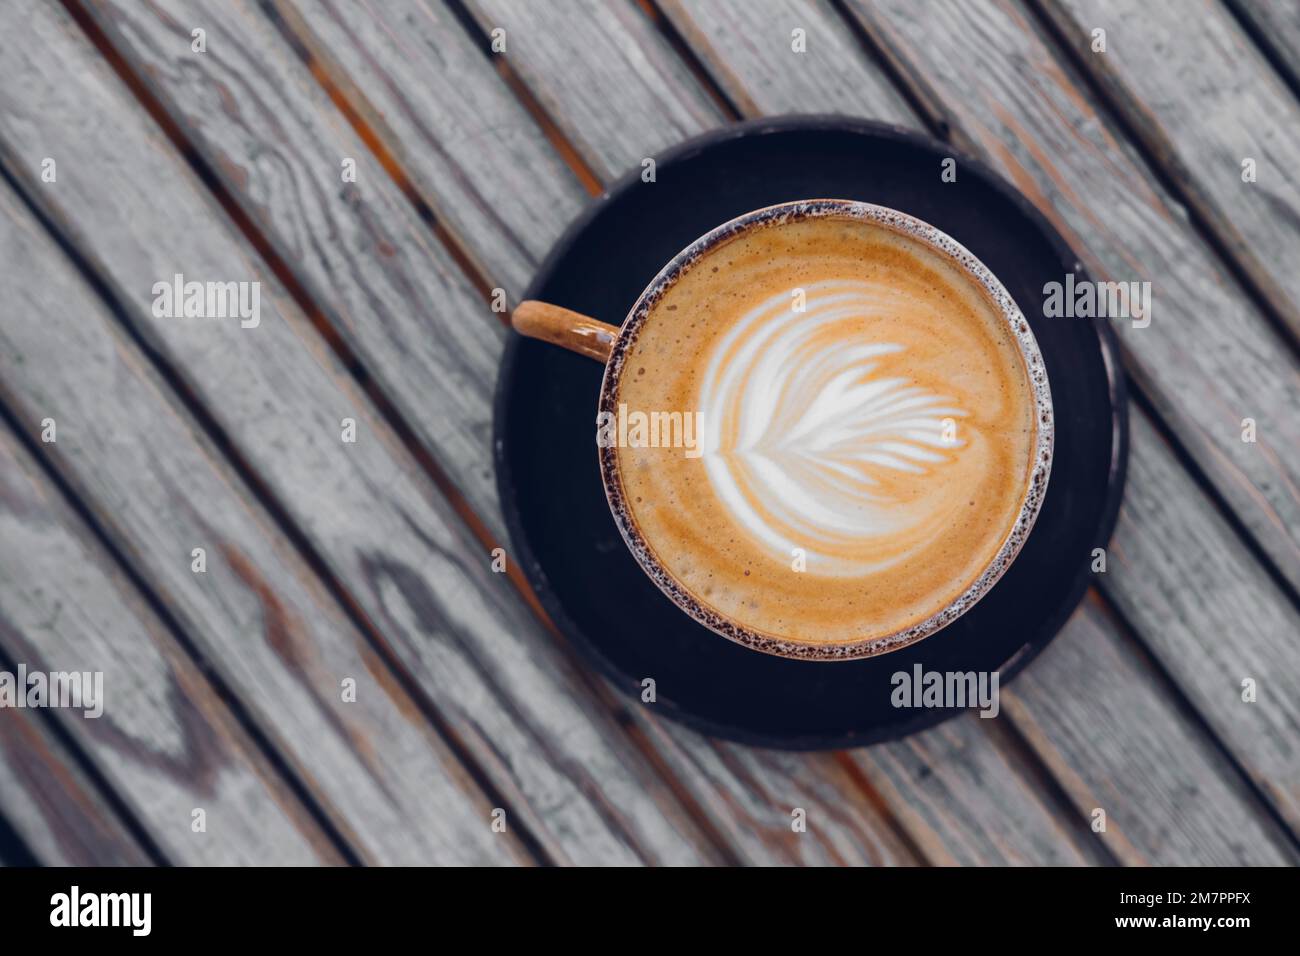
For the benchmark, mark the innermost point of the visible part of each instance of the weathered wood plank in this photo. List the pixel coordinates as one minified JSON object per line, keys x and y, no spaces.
{"x":1168,"y":796}
{"x":273,"y":126}
{"x":1278,"y":27}
{"x":749,"y":50}
{"x":426,"y":94}
{"x":1208,"y":360}
{"x":47,"y":800}
{"x":375,"y":519}
{"x":258,"y":613}
{"x":968,"y":800}
{"x":350,"y":40}
{"x":458,"y":132}
{"x":1204,"y":100}
{"x":1194,"y":579}
{"x":163,"y":739}
{"x":1186,"y":582}
{"x":621,"y":53}
{"x":358,"y":246}
{"x":752,"y":794}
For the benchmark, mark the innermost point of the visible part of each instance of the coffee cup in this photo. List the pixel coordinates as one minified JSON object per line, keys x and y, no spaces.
{"x":824,"y":428}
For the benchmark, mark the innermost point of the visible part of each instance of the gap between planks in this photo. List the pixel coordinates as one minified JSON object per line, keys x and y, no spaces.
{"x":19,"y":853}
{"x":1256,"y":26}
{"x":514,"y":82}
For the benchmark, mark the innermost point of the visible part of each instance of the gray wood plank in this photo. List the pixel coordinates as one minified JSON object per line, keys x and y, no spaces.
{"x":1203,"y":99}
{"x":369,"y":262}
{"x":409,"y":70}
{"x":163,"y":739}
{"x":376,"y":520}
{"x":1208,"y":360}
{"x":752,"y":794}
{"x":747,"y":49}
{"x":1185,"y":581}
{"x":1169,"y":798}
{"x":258,"y":614}
{"x":354,"y":39}
{"x":1277,"y":24}
{"x":270,"y":129}
{"x":1193,"y":580}
{"x":622,"y":56}
{"x":461,"y":135}
{"x":48,"y":801}
{"x":967,"y":798}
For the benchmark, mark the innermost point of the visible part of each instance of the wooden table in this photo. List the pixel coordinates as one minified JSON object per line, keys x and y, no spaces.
{"x":338,"y":675}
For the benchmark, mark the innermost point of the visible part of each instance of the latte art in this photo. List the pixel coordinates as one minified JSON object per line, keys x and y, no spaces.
{"x":805,"y":440}
{"x":868,"y":433}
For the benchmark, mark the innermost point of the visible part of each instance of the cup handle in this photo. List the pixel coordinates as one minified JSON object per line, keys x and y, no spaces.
{"x":574,"y":331}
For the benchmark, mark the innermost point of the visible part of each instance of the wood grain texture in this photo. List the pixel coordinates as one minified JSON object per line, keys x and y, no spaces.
{"x":359,"y":248}
{"x":349,"y":40}
{"x":1208,"y":359}
{"x":1277,"y":25}
{"x":164,"y":740}
{"x":49,"y":802}
{"x":623,"y":61}
{"x":748,"y":49}
{"x":1184,"y":580}
{"x":1169,"y":797}
{"x":1188,"y":581}
{"x":270,"y":127}
{"x":378,"y":523}
{"x":436,"y":97}
{"x":1203,"y":99}
{"x":431,"y":97}
{"x":257,"y":614}
{"x":750,"y":796}
{"x":968,"y":797}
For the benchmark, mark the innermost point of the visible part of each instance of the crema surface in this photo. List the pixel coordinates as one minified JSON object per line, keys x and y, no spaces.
{"x":865,"y":430}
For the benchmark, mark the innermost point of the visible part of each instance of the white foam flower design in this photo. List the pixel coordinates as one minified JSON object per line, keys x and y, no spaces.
{"x":799,"y":429}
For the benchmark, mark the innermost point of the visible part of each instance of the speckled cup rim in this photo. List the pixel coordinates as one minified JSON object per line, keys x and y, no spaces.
{"x":1036,"y":487}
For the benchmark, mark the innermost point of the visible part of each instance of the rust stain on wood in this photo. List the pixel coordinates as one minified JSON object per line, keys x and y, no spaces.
{"x":280,"y":627}
{"x":55,"y":791}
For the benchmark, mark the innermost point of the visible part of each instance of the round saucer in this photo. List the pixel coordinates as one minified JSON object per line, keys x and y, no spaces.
{"x":564,"y":536}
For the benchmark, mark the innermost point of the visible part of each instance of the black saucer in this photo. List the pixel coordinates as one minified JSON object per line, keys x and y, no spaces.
{"x":565,"y":538}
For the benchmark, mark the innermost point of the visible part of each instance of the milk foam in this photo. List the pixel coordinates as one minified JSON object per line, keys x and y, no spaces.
{"x":798,"y":427}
